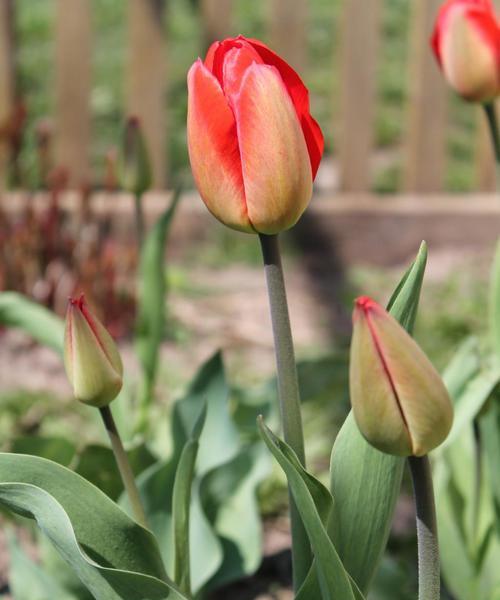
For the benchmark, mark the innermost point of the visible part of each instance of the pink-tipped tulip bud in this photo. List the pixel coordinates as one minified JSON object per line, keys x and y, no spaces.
{"x":466,"y":42}
{"x":134,"y":168}
{"x":399,"y":400}
{"x":253,"y":145}
{"x":93,"y":364}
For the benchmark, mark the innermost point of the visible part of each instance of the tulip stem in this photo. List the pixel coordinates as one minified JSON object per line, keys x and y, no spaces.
{"x":288,"y":392}
{"x":124,"y":467}
{"x":139,"y":221}
{"x":428,"y":547}
{"x":491,"y":115}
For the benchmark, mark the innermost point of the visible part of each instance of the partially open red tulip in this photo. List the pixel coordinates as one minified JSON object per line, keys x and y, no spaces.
{"x":93,"y":364}
{"x":253,"y":145}
{"x":466,"y":42}
{"x":399,"y":400}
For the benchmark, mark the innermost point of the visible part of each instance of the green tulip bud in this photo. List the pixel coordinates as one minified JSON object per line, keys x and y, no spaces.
{"x":93,"y":364}
{"x":399,"y":400}
{"x":134,"y":169}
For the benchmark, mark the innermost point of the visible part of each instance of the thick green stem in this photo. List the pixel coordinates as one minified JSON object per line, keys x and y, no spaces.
{"x":428,"y":547}
{"x":124,"y":466}
{"x":288,"y":392}
{"x":491,"y":116}
{"x":478,"y":481}
{"x":139,"y":220}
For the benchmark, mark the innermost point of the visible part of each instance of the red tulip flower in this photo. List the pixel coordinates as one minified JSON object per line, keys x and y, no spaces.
{"x":466,"y":42}
{"x":253,"y":145}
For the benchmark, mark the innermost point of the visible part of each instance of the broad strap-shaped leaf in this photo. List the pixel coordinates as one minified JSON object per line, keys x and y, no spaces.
{"x":463,"y":366}
{"x":181,"y":505}
{"x":150,"y":326}
{"x":471,"y":400}
{"x":495,"y":302}
{"x":314,"y":504}
{"x":364,"y":482}
{"x":28,"y":580}
{"x":40,"y":323}
{"x":113,"y":556}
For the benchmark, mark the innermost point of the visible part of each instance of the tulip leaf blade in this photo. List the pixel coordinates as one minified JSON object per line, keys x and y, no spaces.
{"x":403,"y":304}
{"x":39,"y":322}
{"x":315,"y":505}
{"x":80,"y":521}
{"x":150,"y":324}
{"x":364,"y":482}
{"x":494,"y":307}
{"x":181,"y":503}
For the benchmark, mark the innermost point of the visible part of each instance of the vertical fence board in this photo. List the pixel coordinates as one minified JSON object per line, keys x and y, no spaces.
{"x":288,"y":31}
{"x":426,"y":138}
{"x":359,"y":48}
{"x":7,"y":82}
{"x":146,"y":78}
{"x":216,"y":18}
{"x":72,"y":87}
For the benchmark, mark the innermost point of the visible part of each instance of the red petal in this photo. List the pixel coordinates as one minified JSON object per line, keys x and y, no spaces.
{"x":275,"y":162}
{"x":213,"y":149}
{"x":300,"y":98}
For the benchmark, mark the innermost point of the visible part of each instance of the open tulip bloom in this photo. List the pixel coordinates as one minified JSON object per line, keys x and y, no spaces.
{"x":253,"y":145}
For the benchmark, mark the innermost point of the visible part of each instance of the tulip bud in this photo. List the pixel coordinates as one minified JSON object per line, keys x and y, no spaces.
{"x":399,"y":400}
{"x":466,"y":42}
{"x":93,"y":364}
{"x":253,"y":145}
{"x":134,"y":167}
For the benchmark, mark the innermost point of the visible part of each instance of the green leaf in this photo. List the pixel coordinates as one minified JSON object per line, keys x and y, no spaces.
{"x":58,"y":449}
{"x":315,"y":505}
{"x":40,"y":323}
{"x":181,"y":503}
{"x":225,"y":528}
{"x":365,"y":483}
{"x":97,"y":464}
{"x":28,"y":580}
{"x":150,"y":324}
{"x":464,"y":364}
{"x":495,"y":302}
{"x":471,"y":400}
{"x":403,"y":304}
{"x":112,"y":555}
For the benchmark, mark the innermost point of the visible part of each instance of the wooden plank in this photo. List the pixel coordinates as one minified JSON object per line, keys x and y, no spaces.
{"x":147,"y":78}
{"x":426,"y":136}
{"x":72,"y":88}
{"x":217,"y":17}
{"x":359,"y":47}
{"x":7,"y":78}
{"x":288,"y":31}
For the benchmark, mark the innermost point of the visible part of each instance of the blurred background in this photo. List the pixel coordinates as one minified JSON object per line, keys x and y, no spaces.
{"x":405,"y":160}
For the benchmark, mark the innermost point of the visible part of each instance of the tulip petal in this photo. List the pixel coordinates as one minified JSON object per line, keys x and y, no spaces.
{"x":274,"y":157}
{"x":214,"y":151}
{"x":466,"y":42}
{"x":379,"y":419}
{"x":421,"y":393}
{"x":300,"y":98}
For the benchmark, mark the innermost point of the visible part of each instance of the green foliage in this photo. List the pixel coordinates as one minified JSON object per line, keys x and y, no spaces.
{"x":151,"y":304}
{"x":315,"y":505}
{"x":365,"y":482}
{"x":18,"y":311}
{"x":225,"y":530}
{"x":80,"y":521}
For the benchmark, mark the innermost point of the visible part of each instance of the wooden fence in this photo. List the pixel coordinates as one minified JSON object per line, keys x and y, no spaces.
{"x":425,"y":124}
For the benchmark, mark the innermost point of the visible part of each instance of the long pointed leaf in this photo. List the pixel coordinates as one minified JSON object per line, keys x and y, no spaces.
{"x":365,"y":483}
{"x":333,"y":578}
{"x":113,"y":556}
